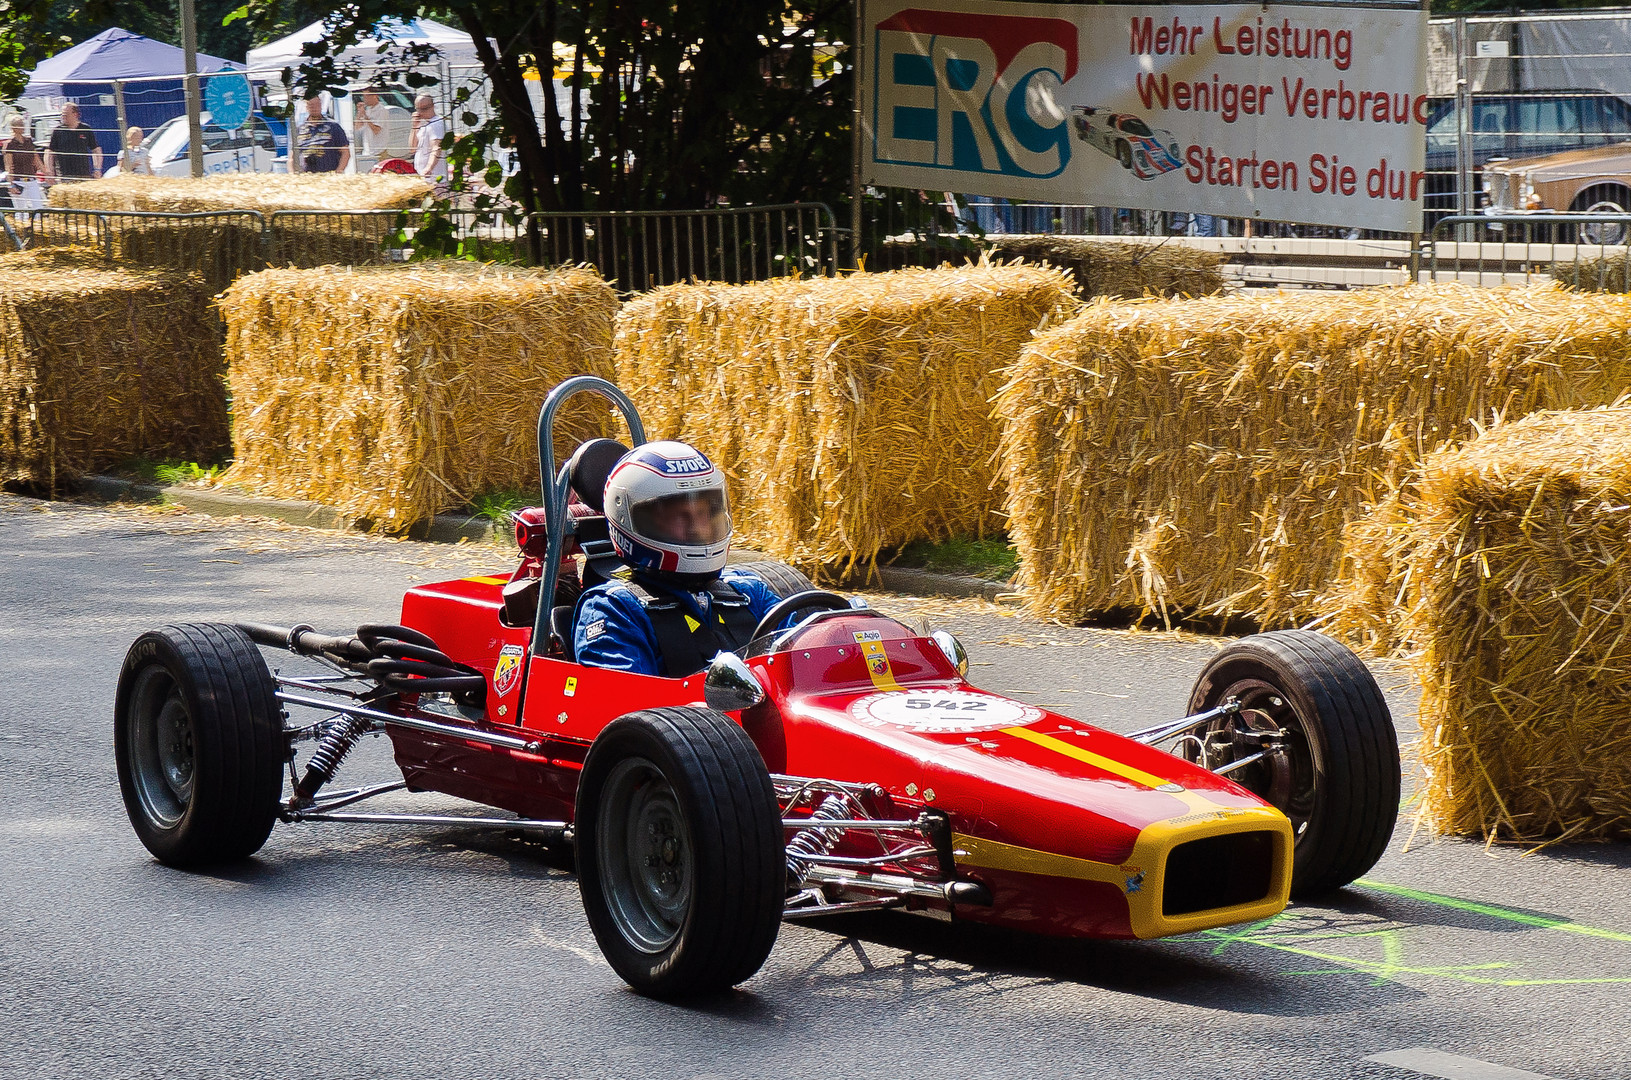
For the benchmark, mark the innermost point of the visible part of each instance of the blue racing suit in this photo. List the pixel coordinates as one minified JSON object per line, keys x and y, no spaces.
{"x":612,"y":630}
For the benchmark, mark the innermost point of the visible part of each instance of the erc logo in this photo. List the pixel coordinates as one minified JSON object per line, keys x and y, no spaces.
{"x":972,"y":92}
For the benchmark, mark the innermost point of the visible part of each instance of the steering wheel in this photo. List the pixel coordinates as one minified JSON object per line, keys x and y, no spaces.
{"x":810,"y":598}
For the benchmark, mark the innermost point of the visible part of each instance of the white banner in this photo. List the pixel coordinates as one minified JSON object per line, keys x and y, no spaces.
{"x":1311,"y":113}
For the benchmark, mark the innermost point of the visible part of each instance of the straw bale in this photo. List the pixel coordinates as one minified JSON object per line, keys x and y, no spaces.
{"x":1608,"y":271}
{"x":100,"y":365}
{"x":1518,"y":566}
{"x":395,"y":393}
{"x":851,"y":414}
{"x":1122,"y":269}
{"x":262,"y":192}
{"x":1208,"y":456}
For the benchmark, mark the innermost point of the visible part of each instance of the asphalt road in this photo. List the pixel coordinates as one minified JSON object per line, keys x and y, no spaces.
{"x":365,"y":951}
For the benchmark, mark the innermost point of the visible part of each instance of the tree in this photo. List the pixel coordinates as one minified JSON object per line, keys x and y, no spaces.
{"x":674,"y":103}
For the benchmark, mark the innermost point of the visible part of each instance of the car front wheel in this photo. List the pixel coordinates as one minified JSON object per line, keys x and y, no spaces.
{"x":198,"y":741}
{"x":1335,"y":773}
{"x":681,"y":857}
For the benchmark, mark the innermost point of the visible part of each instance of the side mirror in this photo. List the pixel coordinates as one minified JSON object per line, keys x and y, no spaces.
{"x":730,"y":686}
{"x":953,"y":649}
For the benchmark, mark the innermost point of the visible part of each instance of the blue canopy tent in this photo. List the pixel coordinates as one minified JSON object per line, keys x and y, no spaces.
{"x":85,"y":73}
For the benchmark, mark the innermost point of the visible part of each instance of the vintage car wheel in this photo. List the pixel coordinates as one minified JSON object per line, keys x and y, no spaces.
{"x":1603,"y":199}
{"x":681,"y":857}
{"x":198,"y":740}
{"x":1337,"y":778}
{"x":782,"y":579}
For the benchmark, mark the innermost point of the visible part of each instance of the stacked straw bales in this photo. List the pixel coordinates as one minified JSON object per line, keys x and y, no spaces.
{"x":852,"y":414}
{"x":397,"y":393}
{"x":1210,"y":455}
{"x":1517,"y":556}
{"x":1121,"y":269}
{"x":100,"y":365}
{"x":222,"y":247}
{"x":262,"y":192}
{"x":1608,"y":271}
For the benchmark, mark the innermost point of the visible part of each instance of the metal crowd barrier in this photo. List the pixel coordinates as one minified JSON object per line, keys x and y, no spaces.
{"x":633,"y":249}
{"x":643,"y":249}
{"x":1590,"y":250}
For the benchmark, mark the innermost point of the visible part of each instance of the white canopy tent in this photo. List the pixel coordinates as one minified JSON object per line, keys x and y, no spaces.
{"x":455,"y":47}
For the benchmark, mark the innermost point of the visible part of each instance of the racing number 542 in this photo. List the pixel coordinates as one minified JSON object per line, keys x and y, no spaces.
{"x":950,"y":706}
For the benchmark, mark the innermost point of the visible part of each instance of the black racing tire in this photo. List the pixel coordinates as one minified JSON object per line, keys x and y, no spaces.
{"x":1124,"y":154}
{"x":1603,"y":199}
{"x":782,"y":579}
{"x":680,"y":851}
{"x":198,"y":740}
{"x":1339,"y":779}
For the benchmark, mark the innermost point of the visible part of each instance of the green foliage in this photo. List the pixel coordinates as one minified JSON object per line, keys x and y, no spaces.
{"x":35,"y":30}
{"x":683,"y":104}
{"x":496,"y":506}
{"x":993,"y":557}
{"x":184,"y":472}
{"x":168,"y":472}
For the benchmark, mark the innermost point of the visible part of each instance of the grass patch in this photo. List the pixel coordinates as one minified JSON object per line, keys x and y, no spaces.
{"x":166,"y":472}
{"x":993,"y":557}
{"x":496,"y":506}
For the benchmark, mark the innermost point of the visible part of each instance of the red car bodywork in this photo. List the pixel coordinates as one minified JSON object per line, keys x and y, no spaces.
{"x":1074,"y":830}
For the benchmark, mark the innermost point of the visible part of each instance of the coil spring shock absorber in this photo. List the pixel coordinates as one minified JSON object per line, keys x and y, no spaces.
{"x":808,"y":845}
{"x":336,"y":743}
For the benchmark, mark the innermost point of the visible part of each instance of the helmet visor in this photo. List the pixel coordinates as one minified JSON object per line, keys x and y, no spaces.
{"x":690,"y":517}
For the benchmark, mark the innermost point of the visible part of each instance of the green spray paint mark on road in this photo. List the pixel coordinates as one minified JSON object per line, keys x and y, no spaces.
{"x":1390,"y":966}
{"x":1289,"y":933}
{"x":1544,"y":921}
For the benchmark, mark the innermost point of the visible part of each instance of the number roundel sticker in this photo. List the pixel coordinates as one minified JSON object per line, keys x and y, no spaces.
{"x":942,"y":710}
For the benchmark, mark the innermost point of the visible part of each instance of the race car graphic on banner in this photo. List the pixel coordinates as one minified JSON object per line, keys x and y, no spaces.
{"x":1295,"y":112}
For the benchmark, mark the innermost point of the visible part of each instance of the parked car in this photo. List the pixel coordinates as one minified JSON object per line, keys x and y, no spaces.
{"x":1519,"y":125}
{"x":258,"y":147}
{"x":1596,"y":181}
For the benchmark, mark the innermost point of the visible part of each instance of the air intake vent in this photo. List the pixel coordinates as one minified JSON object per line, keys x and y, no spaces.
{"x":1218,"y":871}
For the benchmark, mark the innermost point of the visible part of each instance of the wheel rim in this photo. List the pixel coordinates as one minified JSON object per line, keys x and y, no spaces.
{"x":161,"y":744}
{"x":1286,"y":779}
{"x":1604,"y":232}
{"x":645,"y":856}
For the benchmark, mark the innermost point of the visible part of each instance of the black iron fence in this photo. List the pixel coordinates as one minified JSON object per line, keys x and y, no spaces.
{"x":634,"y":250}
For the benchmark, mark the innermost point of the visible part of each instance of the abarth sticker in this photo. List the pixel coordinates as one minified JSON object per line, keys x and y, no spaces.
{"x":508,"y":671}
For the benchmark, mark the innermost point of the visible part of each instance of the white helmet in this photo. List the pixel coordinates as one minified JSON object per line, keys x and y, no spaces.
{"x":665,"y":504}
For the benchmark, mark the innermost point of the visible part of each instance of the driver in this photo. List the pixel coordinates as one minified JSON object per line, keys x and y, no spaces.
{"x":665,"y":505}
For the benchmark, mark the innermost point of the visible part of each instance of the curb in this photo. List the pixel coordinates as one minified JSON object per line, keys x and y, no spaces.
{"x":443,"y":528}
{"x":451,"y":528}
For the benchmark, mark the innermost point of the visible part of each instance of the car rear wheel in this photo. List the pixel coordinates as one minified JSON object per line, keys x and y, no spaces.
{"x":1603,"y":199}
{"x":198,"y":742}
{"x":783,"y":580}
{"x":1336,"y":775}
{"x":681,"y":857}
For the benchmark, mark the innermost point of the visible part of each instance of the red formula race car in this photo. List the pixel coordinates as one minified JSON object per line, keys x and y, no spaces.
{"x":842,"y":762}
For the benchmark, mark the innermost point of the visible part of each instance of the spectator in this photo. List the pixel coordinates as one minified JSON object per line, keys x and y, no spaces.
{"x":73,"y":153}
{"x":324,"y":146}
{"x":428,"y":129}
{"x":21,"y":162}
{"x":133,"y":159}
{"x":384,"y":132}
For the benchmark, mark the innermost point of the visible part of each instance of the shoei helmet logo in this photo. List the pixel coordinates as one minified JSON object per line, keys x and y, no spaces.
{"x":686,"y":466}
{"x":972,"y":92}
